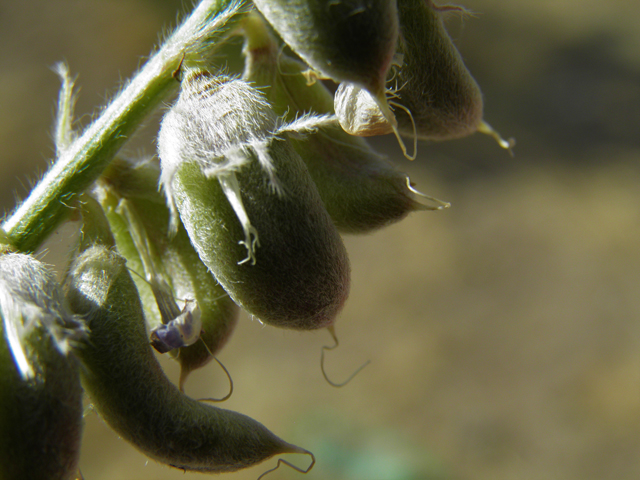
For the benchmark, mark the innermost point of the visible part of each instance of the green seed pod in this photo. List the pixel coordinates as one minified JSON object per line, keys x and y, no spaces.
{"x":436,"y":87}
{"x":40,"y":393}
{"x":435,"y":97}
{"x":249,"y":205}
{"x":130,"y":390}
{"x":348,"y":40}
{"x":135,"y":189}
{"x":360,"y":189}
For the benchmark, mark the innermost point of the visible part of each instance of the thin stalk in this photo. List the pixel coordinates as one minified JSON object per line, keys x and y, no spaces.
{"x":82,"y":162}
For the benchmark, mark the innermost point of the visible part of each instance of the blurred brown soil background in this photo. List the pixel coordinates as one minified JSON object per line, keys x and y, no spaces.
{"x":504,"y":333}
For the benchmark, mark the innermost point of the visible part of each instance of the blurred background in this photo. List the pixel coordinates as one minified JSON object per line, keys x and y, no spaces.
{"x":503,"y":333}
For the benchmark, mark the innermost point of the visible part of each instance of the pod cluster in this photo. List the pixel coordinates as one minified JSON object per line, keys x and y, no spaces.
{"x":258,"y":175}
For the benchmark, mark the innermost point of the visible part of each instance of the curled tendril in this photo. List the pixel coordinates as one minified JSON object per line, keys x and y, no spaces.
{"x":291,"y":465}
{"x":332,"y":331}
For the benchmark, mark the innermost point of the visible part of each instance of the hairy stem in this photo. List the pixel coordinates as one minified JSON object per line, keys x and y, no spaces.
{"x":82,"y":162}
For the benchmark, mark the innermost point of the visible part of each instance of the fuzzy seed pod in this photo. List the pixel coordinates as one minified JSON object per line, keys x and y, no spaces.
{"x":347,"y":40}
{"x":435,"y":97}
{"x":130,"y":390}
{"x":40,"y":392}
{"x":360,"y":189}
{"x":135,"y":188}
{"x":435,"y":85}
{"x":215,"y":123}
{"x":249,"y":205}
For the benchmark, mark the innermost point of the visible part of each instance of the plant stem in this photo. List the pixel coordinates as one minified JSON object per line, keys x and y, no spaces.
{"x":79,"y":165}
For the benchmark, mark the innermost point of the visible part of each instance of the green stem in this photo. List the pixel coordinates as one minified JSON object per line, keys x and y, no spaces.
{"x":51,"y":201}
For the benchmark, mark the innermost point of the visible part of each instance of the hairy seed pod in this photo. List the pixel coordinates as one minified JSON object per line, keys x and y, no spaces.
{"x":360,"y":189}
{"x":174,"y":256}
{"x":347,"y":40}
{"x":130,"y":390}
{"x":215,"y":123}
{"x":301,"y":278}
{"x":40,"y":392}
{"x":434,"y":97}
{"x":249,"y":205}
{"x":434,"y":83}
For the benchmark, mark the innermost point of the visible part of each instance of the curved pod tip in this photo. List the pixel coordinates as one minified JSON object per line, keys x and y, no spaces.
{"x":131,"y":392}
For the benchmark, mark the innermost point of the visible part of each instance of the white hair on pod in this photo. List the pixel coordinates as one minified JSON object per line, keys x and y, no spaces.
{"x":219,"y":122}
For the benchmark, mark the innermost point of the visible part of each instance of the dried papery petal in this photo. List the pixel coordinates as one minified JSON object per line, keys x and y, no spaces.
{"x":359,"y":188}
{"x":358,"y":113}
{"x":40,"y":392}
{"x":182,"y":329}
{"x":131,"y":392}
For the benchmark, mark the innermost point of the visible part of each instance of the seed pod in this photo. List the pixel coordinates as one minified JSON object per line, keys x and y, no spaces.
{"x":173,"y":256}
{"x":360,"y":189}
{"x":435,"y":85}
{"x":348,"y":40}
{"x":249,"y":205}
{"x":40,"y":392}
{"x":437,"y":98}
{"x":130,"y":390}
